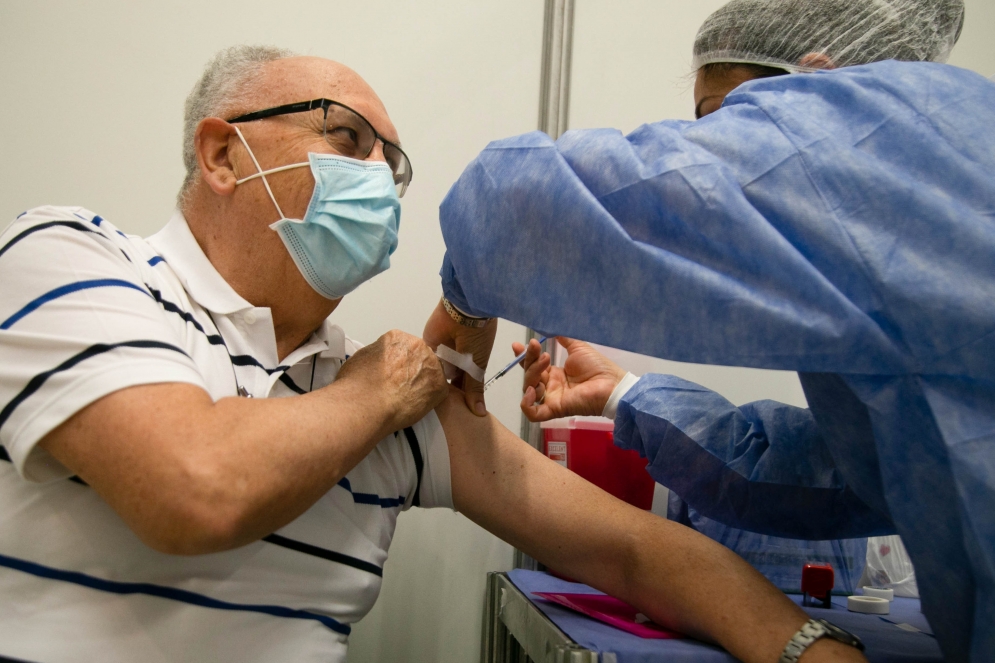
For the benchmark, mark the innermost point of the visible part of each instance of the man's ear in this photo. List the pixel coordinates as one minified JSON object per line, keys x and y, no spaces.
{"x":816,"y":61}
{"x":211,"y":142}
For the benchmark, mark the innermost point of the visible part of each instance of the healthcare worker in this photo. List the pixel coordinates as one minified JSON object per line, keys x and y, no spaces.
{"x":839,"y":223}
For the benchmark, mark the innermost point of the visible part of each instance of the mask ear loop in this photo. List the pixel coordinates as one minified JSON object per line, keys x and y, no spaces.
{"x":260,"y":172}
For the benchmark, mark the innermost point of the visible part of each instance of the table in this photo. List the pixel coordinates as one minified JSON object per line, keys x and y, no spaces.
{"x":519,"y":628}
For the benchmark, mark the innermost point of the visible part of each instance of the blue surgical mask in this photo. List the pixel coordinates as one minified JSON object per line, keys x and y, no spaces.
{"x":350,"y":228}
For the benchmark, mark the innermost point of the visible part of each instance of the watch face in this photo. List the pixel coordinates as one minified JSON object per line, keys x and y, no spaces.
{"x":838,"y":634}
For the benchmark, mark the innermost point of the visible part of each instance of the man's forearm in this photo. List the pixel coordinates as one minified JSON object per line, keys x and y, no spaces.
{"x":675,"y":575}
{"x":211,"y":476}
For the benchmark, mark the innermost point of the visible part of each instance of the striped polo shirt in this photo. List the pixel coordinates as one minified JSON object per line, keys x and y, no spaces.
{"x":86,"y":310}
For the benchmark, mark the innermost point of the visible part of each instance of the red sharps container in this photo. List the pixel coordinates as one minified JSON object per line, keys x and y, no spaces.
{"x":585,"y":445}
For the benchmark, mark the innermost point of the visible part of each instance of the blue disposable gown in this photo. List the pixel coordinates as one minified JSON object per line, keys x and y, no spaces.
{"x":839,"y":224}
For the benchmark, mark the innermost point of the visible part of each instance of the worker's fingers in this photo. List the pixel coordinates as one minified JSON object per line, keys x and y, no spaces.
{"x":533,"y":410}
{"x":473,"y":394}
{"x":533,"y":353}
{"x":517,"y":348}
{"x":534,"y":373}
{"x":570,"y":344}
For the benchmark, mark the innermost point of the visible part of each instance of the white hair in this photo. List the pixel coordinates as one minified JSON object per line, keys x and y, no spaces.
{"x":222,"y":87}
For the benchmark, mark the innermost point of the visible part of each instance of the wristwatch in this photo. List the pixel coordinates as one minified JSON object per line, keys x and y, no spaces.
{"x":811,"y":631}
{"x":463,"y":318}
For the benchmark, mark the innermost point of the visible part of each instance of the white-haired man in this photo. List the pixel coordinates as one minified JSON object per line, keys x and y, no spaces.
{"x":161,"y":504}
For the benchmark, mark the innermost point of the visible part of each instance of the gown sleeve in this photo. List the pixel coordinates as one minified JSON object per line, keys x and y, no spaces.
{"x":762,"y":467}
{"x":703,"y":242}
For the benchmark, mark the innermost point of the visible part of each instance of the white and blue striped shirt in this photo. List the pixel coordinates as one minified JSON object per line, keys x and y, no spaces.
{"x":86,"y":310}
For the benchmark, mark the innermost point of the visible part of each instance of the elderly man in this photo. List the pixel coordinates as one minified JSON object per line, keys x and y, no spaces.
{"x":162,"y":504}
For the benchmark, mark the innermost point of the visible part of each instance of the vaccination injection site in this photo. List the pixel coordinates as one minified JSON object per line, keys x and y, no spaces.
{"x":683,"y":352}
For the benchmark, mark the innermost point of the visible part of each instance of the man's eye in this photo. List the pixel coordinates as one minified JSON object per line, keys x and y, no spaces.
{"x":343,"y":136}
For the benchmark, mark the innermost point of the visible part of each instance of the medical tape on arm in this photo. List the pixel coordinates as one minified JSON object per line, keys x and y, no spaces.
{"x":464,"y":362}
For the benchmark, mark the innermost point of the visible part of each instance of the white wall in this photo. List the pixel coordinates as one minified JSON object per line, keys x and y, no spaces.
{"x":93,"y":100}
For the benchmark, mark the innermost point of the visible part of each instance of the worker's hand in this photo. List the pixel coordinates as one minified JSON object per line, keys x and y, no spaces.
{"x":401,"y":372}
{"x":441,"y":329}
{"x":582,"y":387}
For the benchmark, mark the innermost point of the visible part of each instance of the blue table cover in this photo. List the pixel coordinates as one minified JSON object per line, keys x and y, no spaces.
{"x":903,"y":636}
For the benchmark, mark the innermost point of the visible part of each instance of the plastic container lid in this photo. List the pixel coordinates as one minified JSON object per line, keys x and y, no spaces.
{"x":581,"y":423}
{"x":870,"y":605}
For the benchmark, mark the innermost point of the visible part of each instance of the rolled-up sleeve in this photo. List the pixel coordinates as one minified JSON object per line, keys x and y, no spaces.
{"x":762,"y":467}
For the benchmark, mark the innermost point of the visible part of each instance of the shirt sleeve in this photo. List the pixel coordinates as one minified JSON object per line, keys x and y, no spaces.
{"x":436,"y":478}
{"x":762,"y":467}
{"x":77,"y":322}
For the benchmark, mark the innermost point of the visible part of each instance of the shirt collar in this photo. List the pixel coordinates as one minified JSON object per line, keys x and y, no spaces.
{"x":177,"y":245}
{"x":334,"y":339}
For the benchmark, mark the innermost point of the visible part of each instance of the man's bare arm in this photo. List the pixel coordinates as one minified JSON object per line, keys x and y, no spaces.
{"x":189,"y":475}
{"x":678,"y":577}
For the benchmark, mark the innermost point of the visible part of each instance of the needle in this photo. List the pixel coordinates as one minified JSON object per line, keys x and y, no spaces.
{"x":510,"y":366}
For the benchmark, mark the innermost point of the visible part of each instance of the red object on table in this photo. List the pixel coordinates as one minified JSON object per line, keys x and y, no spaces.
{"x":586,"y":445}
{"x":817,"y":583}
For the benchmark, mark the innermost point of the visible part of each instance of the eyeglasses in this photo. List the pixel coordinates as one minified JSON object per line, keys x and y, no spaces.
{"x":347,"y":132}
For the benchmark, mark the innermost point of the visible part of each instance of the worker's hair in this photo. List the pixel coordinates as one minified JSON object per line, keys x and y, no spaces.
{"x":755,"y":70}
{"x":226,"y":81}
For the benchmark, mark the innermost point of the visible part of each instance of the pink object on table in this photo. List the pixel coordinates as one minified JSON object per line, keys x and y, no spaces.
{"x":611,"y":611}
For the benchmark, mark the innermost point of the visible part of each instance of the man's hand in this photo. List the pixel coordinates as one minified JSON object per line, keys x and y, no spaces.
{"x":441,"y":329}
{"x":402,"y":372}
{"x":582,"y":387}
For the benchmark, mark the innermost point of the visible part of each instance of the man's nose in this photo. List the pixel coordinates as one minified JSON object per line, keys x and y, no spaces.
{"x":376,"y":154}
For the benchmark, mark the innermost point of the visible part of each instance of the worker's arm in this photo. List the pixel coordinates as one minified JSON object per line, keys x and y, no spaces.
{"x":763,"y":466}
{"x":679,"y":578}
{"x":707,"y":242}
{"x":189,"y":475}
{"x":442,"y":329}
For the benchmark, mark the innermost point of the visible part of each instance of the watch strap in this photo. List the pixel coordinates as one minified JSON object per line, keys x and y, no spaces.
{"x":463,"y":318}
{"x":809,"y":633}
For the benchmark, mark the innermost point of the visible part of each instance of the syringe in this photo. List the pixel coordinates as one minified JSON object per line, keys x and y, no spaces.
{"x":510,"y":366}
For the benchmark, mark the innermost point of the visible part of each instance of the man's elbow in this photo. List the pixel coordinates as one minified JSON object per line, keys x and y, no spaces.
{"x":202,"y":515}
{"x":192,"y":534}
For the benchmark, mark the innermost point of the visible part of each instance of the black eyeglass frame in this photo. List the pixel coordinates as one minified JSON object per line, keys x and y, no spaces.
{"x":324,"y":105}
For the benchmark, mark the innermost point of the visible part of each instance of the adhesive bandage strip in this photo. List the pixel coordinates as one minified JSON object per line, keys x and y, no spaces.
{"x":463,"y":362}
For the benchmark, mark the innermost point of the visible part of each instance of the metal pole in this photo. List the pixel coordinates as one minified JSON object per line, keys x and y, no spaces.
{"x":554,"y":88}
{"x":554,"y":112}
